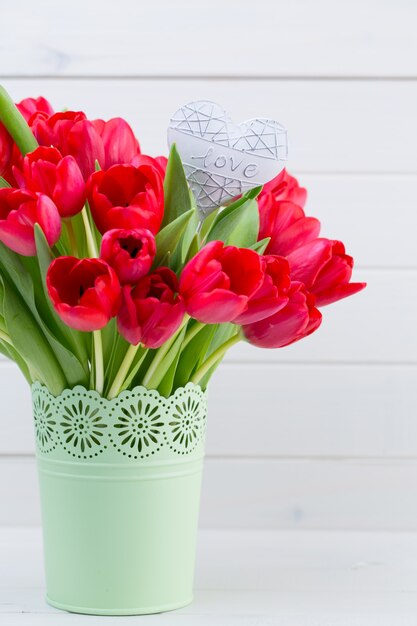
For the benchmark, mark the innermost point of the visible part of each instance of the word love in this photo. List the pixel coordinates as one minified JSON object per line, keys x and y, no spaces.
{"x":221,"y":159}
{"x":224,"y":162}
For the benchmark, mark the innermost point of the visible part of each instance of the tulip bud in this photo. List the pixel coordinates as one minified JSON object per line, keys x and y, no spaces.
{"x":84,"y":292}
{"x":127,"y":196}
{"x":295,"y":321}
{"x":20,"y":210}
{"x":152,"y":311}
{"x":219,"y":281}
{"x":325,"y":270}
{"x":129,"y":252}
{"x":46,"y":171}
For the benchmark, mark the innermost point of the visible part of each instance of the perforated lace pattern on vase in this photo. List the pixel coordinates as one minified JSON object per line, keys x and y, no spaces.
{"x":138,"y":424}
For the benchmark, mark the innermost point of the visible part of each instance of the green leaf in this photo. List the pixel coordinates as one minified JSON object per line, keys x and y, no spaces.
{"x":252,"y":194}
{"x":11,"y":353}
{"x":16,"y":124}
{"x":208,"y":224}
{"x":29,"y":341}
{"x":15,"y":272}
{"x":169,"y":237}
{"x":166,"y":363}
{"x":165,"y":386}
{"x":237,"y":224}
{"x":189,"y":237}
{"x":193,"y":248}
{"x":113,"y":364}
{"x":79,"y":233}
{"x":176,"y":190}
{"x":72,"y":338}
{"x":261,"y":246}
{"x":194,"y":354}
{"x":222,"y":334}
{"x":3,"y":183}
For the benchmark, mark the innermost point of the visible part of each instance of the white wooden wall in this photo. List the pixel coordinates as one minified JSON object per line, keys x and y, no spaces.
{"x":324,"y":433}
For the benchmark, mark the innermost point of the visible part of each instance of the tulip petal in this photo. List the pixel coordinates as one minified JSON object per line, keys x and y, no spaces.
{"x":217,"y":307}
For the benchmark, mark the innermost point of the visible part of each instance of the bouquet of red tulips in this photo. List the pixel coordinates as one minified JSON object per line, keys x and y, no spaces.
{"x":110,"y":278}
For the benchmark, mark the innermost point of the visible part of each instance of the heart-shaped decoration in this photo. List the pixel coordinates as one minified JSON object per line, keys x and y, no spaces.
{"x":222,"y":159}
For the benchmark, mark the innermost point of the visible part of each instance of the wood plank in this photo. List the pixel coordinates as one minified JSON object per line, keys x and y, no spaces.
{"x":369,"y":213}
{"x":360,"y":329}
{"x":268,"y":493}
{"x":362,"y":38}
{"x":334,"y":127}
{"x":278,"y":411}
{"x":319,"y":494}
{"x":250,"y":578}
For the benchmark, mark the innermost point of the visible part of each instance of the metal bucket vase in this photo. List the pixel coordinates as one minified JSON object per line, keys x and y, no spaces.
{"x":120,"y":489}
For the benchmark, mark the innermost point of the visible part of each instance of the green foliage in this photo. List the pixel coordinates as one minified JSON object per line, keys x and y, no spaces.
{"x":238,"y":223}
{"x":261,"y":246}
{"x":3,"y":183}
{"x":30,"y":342}
{"x":47,"y":350}
{"x":176,"y":190}
{"x":168,"y":239}
{"x":194,"y":353}
{"x":15,"y":274}
{"x":68,"y":336}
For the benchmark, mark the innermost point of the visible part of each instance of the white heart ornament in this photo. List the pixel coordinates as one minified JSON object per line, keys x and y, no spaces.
{"x":221,"y":159}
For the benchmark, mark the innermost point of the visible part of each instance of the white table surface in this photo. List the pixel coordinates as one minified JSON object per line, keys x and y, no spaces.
{"x":249,"y":578}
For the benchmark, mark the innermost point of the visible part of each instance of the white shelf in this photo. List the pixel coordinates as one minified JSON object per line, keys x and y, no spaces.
{"x":249,"y":578}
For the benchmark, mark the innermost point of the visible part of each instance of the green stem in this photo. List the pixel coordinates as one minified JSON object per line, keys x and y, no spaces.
{"x":123,"y":371}
{"x":129,"y":379}
{"x":97,"y":339}
{"x":192,"y":333}
{"x":16,"y":124}
{"x":98,"y":360}
{"x":214,"y":357}
{"x":91,"y":242}
{"x":71,"y":236}
{"x":161,"y":353}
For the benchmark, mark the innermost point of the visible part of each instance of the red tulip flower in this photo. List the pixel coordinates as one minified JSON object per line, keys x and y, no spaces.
{"x":88,"y":141}
{"x":60,"y":178}
{"x":20,"y":210}
{"x":161,"y":161}
{"x":84,"y":292}
{"x":325,"y":269}
{"x":6,"y":149}
{"x":218,"y":283}
{"x":295,"y":321}
{"x":282,"y":217}
{"x":53,"y":130}
{"x":283,"y":187}
{"x":152,"y":311}
{"x":30,"y":106}
{"x":273,"y":293}
{"x":72,"y":134}
{"x":8,"y":160}
{"x":287,"y":226}
{"x":129,"y":252}
{"x":119,"y":142}
{"x":127,"y":197}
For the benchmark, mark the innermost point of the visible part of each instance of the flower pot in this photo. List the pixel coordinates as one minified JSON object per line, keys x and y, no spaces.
{"x":120,"y":488}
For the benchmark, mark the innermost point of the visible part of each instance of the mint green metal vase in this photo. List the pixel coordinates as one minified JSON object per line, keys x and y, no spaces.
{"x":120,"y":488}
